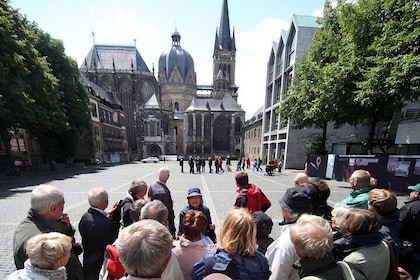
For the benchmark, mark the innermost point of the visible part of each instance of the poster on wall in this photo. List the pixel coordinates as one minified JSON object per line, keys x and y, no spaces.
{"x":417,"y":167}
{"x":397,"y":167}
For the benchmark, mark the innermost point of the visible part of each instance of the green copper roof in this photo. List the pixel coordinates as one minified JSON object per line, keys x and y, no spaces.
{"x":306,"y":21}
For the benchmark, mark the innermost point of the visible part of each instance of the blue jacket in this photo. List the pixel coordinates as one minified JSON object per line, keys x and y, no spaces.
{"x":236,"y":267}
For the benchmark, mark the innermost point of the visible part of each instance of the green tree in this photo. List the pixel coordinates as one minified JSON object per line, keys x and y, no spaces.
{"x":26,"y":82}
{"x":319,"y":86}
{"x":59,"y":142}
{"x":362,"y":67}
{"x":40,"y":88}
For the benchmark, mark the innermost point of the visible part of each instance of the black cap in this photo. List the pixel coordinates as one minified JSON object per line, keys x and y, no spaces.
{"x":297,"y":200}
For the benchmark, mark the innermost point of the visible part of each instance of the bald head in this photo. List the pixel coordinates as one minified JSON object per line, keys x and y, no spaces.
{"x":300,"y":179}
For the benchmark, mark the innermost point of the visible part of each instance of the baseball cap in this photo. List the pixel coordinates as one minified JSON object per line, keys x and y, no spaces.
{"x":194,"y":192}
{"x":415,"y":187}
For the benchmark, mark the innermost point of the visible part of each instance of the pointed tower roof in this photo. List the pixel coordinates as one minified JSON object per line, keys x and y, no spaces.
{"x":152,"y":103}
{"x":224,"y":40}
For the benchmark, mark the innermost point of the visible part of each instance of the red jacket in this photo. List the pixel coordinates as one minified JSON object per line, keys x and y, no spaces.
{"x":252,"y":198}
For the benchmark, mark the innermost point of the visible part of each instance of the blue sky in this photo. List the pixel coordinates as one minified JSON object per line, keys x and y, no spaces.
{"x":257,"y":24}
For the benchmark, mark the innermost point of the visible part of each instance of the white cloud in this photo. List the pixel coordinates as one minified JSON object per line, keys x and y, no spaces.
{"x":254,"y":48}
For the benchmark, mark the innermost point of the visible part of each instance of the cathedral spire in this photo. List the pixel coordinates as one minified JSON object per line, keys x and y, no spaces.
{"x":224,"y":40}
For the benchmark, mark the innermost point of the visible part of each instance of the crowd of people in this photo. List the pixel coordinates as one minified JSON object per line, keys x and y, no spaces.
{"x":197,"y":164}
{"x":363,"y":237}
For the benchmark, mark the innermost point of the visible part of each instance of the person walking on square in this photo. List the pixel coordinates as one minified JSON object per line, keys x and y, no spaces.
{"x":97,"y":231}
{"x":181,"y":163}
{"x":191,"y":163}
{"x":46,"y":215}
{"x":259,"y":164}
{"x":159,"y":190}
{"x":210,"y":165}
{"x":249,"y":195}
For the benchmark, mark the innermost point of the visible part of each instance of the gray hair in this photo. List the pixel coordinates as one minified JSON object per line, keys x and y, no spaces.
{"x":45,"y":196}
{"x":154,"y":210}
{"x":144,"y":247}
{"x":137,"y":185}
{"x":312,"y":236}
{"x":339,"y":216}
{"x":97,"y":197}
{"x":163,"y":174}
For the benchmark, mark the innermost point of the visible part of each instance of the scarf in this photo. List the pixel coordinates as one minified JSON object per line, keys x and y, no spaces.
{"x":55,"y":274}
{"x":365,"y":239}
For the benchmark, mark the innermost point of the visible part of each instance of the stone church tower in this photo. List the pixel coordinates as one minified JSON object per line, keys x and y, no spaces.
{"x":178,"y":87}
{"x":213,"y":122}
{"x":224,"y":58}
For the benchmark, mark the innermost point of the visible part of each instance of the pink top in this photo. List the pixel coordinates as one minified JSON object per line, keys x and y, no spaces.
{"x":188,"y":253}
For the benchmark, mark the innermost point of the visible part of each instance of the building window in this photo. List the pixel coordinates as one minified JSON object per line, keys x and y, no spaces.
{"x":292,"y":48}
{"x":94,"y":110}
{"x":176,"y":107}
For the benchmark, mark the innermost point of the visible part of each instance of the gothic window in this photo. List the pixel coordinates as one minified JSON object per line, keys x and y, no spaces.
{"x":198,"y":125}
{"x":190,"y":125}
{"x":176,"y":107}
{"x":207,"y":125}
{"x":221,"y":134}
{"x":238,"y":125}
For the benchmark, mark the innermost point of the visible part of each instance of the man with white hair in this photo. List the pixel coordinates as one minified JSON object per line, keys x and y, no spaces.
{"x":46,"y":215}
{"x":159,"y":190}
{"x":97,"y":231}
{"x":313,"y":240}
{"x":145,"y":249}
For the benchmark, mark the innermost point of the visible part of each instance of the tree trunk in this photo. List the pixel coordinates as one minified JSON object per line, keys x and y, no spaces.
{"x":324,"y":137}
{"x":369,"y":144}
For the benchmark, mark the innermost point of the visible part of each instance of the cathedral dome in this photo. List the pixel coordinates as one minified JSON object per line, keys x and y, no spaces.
{"x":176,"y":57}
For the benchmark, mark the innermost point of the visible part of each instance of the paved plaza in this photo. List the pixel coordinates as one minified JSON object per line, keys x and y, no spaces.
{"x":218,"y":193}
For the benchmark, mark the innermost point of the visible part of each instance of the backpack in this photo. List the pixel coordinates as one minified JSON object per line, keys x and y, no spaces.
{"x":115,"y":214}
{"x":112,"y":268}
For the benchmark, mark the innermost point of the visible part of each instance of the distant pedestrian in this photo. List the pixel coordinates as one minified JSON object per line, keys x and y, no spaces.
{"x":259,"y":164}
{"x":191,"y":163}
{"x":210,"y":164}
{"x":181,"y":163}
{"x":203,"y":165}
{"x":248,"y":163}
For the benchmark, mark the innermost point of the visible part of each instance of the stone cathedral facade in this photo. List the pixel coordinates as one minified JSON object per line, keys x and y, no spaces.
{"x":172,"y":115}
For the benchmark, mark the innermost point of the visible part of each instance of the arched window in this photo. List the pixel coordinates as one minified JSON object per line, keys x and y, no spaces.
{"x":176,"y":107}
{"x":198,"y":124}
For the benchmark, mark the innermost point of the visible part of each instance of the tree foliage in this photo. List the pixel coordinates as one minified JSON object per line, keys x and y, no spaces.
{"x":362,"y":66}
{"x":40,"y":88}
